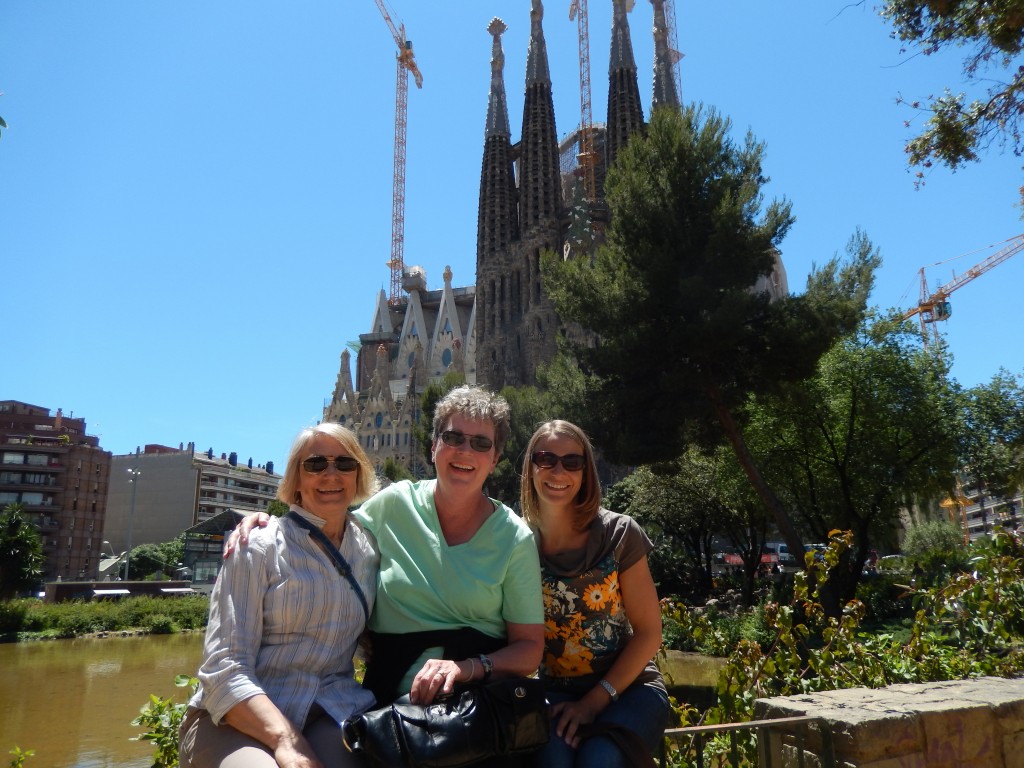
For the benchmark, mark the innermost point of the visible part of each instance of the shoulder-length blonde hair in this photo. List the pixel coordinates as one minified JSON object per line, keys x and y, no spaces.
{"x":587,"y":501}
{"x":366,"y":481}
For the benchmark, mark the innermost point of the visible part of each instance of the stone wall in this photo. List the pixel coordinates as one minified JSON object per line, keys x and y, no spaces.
{"x":957,"y":724}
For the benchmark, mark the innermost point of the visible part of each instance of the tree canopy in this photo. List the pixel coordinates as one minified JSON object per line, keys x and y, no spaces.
{"x":21,"y":553}
{"x":684,"y":338}
{"x":992,"y":33}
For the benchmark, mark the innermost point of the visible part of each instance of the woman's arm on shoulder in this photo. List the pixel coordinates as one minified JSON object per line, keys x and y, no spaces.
{"x":239,"y":535}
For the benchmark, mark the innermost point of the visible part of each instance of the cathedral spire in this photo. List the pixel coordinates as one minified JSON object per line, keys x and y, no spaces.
{"x":497,"y":214}
{"x":665,"y":92}
{"x":625,"y":114}
{"x":497,"y":106}
{"x":540,"y":184}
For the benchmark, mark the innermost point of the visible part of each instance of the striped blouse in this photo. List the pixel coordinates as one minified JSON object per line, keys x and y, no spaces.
{"x":283,"y":622}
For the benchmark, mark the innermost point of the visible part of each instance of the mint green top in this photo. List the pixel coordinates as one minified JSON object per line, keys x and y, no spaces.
{"x":426,"y":584}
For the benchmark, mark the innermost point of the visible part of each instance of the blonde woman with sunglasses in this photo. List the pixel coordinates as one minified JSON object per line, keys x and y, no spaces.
{"x":601,"y":610}
{"x":458,"y":594}
{"x":285,"y":617}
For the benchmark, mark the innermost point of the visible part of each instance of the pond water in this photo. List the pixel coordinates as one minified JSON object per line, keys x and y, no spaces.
{"x":73,"y":701}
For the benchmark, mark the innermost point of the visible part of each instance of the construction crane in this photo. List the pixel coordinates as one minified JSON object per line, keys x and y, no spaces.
{"x":935,"y":306}
{"x":406,"y":63}
{"x":587,"y":155}
{"x":673,"y":39}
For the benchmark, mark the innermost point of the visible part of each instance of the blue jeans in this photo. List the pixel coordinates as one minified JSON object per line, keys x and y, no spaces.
{"x":641,"y":708}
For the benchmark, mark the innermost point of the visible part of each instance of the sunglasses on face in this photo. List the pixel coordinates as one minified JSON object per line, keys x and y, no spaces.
{"x":455,"y":438}
{"x":572,"y":462}
{"x":317,"y":464}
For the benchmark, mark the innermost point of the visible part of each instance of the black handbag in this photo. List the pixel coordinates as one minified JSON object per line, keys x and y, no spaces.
{"x":473,"y":723}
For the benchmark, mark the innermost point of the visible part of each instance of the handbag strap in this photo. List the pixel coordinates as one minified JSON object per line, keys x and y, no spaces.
{"x":340,"y":563}
{"x":626,"y":739}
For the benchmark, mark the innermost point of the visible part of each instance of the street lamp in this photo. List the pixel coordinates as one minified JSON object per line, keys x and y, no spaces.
{"x":134,"y":472}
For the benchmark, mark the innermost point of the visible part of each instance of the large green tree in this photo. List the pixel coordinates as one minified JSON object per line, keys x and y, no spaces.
{"x":682,"y":336}
{"x":21,"y":553}
{"x":874,"y":430}
{"x":992,"y":34}
{"x":993,"y":437}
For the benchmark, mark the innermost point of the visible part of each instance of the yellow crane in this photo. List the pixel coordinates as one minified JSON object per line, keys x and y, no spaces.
{"x":406,"y":64}
{"x":935,"y":306}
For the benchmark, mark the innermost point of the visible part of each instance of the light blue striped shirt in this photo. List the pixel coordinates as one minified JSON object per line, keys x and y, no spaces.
{"x":285,"y":623}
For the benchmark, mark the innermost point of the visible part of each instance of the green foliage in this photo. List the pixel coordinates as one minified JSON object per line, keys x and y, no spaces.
{"x":156,"y":561}
{"x":972,"y":625}
{"x":74,"y":618}
{"x":874,"y":427}
{"x":277,"y":508}
{"x":17,"y":755}
{"x":160,"y":624}
{"x":931,"y":537}
{"x":395,"y":471}
{"x":991,"y":31}
{"x":21,"y":553}
{"x":993,"y":435}
{"x":161,"y":717}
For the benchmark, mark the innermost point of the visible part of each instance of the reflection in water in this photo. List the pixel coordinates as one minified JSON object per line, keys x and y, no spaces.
{"x":73,"y":701}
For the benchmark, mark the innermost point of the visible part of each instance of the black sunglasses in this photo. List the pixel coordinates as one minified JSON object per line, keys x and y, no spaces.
{"x":317,"y":464}
{"x":572,"y":462}
{"x":476,"y":442}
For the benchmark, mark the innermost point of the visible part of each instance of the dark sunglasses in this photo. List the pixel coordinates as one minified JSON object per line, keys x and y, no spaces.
{"x":476,"y":442}
{"x":572,"y":462}
{"x":317,"y":464}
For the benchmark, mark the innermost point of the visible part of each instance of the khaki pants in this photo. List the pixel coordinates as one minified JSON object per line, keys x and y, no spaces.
{"x":205,"y":745}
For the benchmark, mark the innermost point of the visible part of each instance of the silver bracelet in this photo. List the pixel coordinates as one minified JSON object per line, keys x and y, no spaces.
{"x":609,"y":688}
{"x":472,"y":670}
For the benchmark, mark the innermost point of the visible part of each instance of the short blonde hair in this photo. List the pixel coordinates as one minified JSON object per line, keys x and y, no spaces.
{"x":587,"y":501}
{"x":366,"y":480}
{"x":476,"y":404}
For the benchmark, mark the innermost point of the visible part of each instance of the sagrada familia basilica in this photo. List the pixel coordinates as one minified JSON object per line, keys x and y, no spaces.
{"x":497,"y":332}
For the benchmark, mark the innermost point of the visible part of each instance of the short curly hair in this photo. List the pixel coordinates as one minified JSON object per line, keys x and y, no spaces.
{"x":477,"y":404}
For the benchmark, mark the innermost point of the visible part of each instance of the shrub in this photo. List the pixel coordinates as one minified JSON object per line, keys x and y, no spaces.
{"x":160,"y":624}
{"x":162,"y":718}
{"x":12,"y":615}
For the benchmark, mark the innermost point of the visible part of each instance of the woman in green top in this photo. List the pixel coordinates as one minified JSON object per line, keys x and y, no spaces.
{"x":458,"y":594}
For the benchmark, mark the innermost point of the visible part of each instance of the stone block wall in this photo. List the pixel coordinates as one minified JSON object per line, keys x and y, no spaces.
{"x":975,"y":723}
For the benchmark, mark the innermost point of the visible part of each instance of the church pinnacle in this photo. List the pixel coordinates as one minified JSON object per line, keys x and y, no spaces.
{"x":625,"y":114}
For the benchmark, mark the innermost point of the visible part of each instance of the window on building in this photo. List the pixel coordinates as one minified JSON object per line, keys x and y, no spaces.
{"x":13,"y":458}
{"x":38,"y":459}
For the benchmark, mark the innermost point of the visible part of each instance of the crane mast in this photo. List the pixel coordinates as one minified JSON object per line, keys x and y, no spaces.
{"x":673,"y":39}
{"x":405,"y":64}
{"x":587,"y":156}
{"x":934,"y":306}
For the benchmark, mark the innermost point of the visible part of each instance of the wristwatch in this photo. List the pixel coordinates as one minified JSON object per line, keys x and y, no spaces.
{"x":608,"y":687}
{"x":488,"y":666}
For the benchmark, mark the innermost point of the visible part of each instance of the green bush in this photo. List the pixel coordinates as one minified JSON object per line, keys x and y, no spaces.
{"x":73,"y":618}
{"x":12,"y":616}
{"x":160,"y":624}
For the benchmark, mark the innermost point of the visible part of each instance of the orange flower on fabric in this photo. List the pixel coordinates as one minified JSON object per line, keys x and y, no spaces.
{"x":595,"y":597}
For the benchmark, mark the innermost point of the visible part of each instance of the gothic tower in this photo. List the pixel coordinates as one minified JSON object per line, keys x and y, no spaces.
{"x":625,"y":114}
{"x":516,"y":324}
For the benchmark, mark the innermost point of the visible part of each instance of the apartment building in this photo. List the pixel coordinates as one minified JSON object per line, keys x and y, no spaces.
{"x":159,"y":492}
{"x":59,"y":474}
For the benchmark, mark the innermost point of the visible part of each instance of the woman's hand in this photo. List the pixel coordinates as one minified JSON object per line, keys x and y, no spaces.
{"x":240,"y":533}
{"x":438,"y":676}
{"x":570,"y":715}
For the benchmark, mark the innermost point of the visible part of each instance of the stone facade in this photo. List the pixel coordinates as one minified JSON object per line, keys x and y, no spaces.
{"x":975,"y":723}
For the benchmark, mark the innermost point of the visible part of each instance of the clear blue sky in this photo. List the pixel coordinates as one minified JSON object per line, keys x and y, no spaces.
{"x":195,"y":197}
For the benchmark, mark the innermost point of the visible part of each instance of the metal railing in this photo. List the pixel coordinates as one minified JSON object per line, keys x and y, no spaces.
{"x":692,"y":740}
